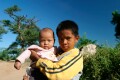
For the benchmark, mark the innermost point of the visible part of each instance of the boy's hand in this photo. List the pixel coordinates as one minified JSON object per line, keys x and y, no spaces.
{"x":34,"y":49}
{"x":34,"y":56}
{"x":33,"y":65}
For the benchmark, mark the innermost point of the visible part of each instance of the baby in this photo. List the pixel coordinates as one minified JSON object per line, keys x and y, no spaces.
{"x":45,"y":50}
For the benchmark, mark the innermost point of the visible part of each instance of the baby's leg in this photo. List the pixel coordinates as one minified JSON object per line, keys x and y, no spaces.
{"x":28,"y":71}
{"x":37,"y":75}
{"x":25,"y":77}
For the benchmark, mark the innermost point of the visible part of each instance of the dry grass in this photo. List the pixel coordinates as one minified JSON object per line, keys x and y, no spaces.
{"x":8,"y":72}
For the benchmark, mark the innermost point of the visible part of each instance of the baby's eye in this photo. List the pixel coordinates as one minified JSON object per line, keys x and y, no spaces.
{"x":42,"y":40}
{"x":49,"y":40}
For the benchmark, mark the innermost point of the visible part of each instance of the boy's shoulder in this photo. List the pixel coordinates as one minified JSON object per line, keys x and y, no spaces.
{"x":69,"y":54}
{"x":60,"y":51}
{"x":74,"y":50}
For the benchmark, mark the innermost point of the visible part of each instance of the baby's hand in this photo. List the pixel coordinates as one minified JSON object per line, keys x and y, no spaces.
{"x":17,"y":65}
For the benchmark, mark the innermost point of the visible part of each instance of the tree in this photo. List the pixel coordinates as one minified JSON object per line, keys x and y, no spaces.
{"x":2,"y":31}
{"x":26,"y":29}
{"x":84,"y":41}
{"x":116,"y":21}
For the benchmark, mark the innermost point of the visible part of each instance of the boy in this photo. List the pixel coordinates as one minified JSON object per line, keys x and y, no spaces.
{"x":70,"y":61}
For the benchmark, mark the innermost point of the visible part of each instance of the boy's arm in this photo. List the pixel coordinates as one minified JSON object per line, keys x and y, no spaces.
{"x":34,"y":57}
{"x":69,"y":66}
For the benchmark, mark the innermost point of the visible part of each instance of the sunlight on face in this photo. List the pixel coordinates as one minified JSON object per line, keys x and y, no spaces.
{"x":67,"y":40}
{"x":46,"y":40}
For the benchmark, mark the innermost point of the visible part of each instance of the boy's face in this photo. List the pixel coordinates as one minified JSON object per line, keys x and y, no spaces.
{"x":46,"y":39}
{"x":67,"y":39}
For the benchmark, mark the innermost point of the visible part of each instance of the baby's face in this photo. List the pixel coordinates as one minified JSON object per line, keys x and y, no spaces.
{"x":46,"y":39}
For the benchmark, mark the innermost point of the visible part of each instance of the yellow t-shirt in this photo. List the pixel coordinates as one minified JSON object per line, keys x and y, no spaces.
{"x":69,"y":65}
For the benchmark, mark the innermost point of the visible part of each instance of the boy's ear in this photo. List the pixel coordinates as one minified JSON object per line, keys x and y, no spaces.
{"x":77,"y":38}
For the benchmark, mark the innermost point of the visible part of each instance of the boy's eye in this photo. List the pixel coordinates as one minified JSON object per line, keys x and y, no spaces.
{"x":60,"y":39}
{"x":68,"y":38}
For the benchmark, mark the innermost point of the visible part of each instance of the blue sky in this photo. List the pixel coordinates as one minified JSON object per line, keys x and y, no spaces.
{"x":92,"y":16}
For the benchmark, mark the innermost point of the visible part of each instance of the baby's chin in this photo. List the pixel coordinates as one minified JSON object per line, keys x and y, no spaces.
{"x":46,"y":48}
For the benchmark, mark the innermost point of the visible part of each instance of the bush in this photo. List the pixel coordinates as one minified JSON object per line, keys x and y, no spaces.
{"x":104,"y":65}
{"x":7,"y":55}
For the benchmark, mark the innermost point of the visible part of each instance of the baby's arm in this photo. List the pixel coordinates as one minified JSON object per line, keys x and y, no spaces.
{"x":17,"y":64}
{"x":21,"y":59}
{"x":23,"y":56}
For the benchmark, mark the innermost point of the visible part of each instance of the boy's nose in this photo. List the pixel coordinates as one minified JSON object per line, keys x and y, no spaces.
{"x":64,"y":41}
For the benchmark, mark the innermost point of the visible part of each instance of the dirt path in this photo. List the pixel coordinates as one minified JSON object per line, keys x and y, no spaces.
{"x":8,"y":72}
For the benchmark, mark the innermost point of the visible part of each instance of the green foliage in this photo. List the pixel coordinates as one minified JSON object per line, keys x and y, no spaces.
{"x":84,"y":41}
{"x":104,"y":65}
{"x":116,"y":21}
{"x":25,"y":28}
{"x":2,"y":31}
{"x":8,"y":55}
{"x":117,"y":45}
{"x":116,"y":17}
{"x":12,"y":10}
{"x":4,"y":56}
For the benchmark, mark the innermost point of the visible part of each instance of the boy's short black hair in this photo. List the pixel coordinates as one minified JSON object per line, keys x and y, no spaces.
{"x":68,"y":24}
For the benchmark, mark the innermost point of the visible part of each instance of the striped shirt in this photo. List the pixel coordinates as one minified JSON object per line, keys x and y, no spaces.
{"x":69,"y":65}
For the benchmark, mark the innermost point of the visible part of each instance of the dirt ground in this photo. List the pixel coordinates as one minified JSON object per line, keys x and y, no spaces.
{"x":8,"y":72}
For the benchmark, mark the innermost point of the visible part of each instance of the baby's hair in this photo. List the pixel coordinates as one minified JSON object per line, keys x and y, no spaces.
{"x":47,"y":29}
{"x":68,"y":24}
